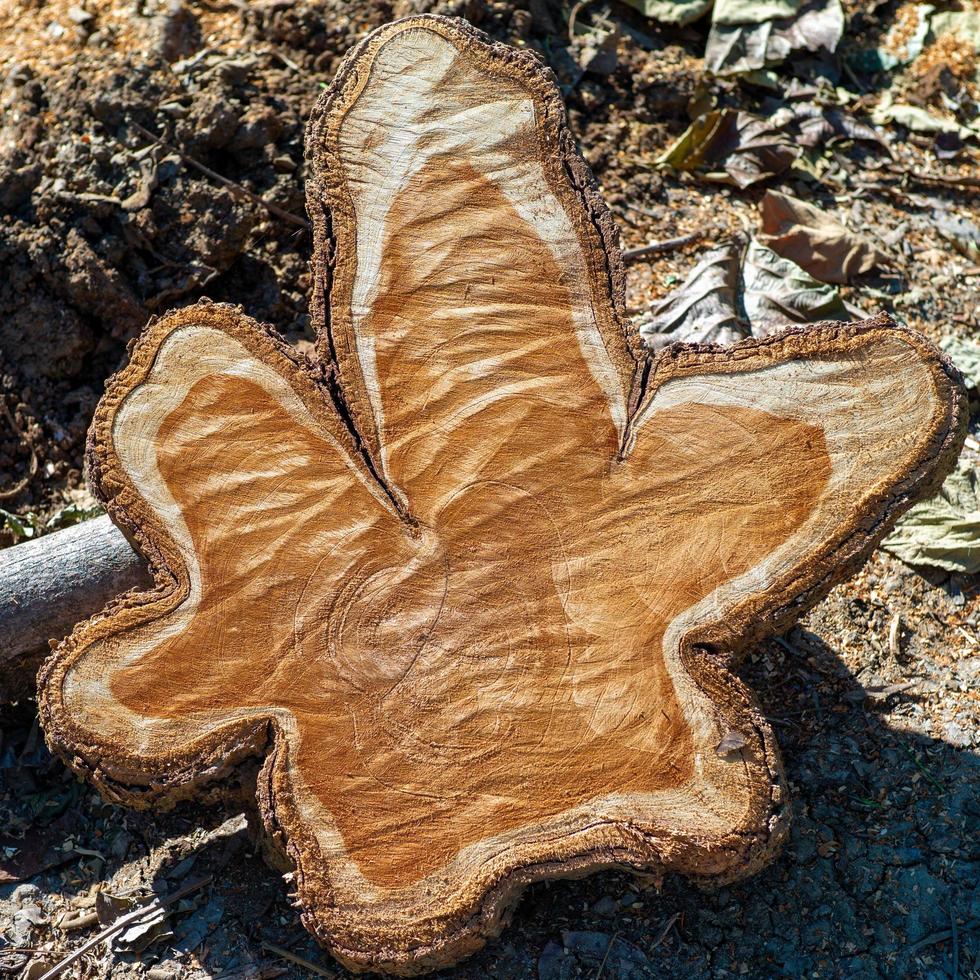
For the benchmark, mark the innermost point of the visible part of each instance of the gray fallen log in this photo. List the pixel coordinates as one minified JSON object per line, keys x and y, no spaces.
{"x":53,"y":582}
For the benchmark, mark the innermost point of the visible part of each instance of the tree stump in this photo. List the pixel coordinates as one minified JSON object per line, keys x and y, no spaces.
{"x":473,"y":583}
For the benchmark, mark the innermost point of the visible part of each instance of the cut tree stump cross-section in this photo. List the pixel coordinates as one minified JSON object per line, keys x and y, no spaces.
{"x":472,"y":585}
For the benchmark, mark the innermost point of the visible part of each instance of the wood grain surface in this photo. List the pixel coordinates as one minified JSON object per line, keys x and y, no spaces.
{"x":472,"y":583}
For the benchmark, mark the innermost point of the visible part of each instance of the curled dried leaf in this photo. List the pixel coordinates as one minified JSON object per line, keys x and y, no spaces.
{"x":703,"y":309}
{"x":748,"y":36}
{"x":778,"y":293}
{"x":738,"y":290}
{"x":678,"y":12}
{"x":815,"y":240}
{"x":731,"y":147}
{"x":945,"y":531}
{"x":820,"y":125}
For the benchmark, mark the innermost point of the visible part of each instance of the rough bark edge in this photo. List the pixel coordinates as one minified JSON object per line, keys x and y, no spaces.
{"x":331,"y":212}
{"x":846,"y":551}
{"x":223,"y":754}
{"x":612,"y":845}
{"x":717,"y":649}
{"x":484,"y":909}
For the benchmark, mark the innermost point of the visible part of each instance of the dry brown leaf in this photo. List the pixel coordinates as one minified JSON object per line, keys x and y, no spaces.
{"x":746,"y":35}
{"x":703,"y":309}
{"x":732,"y":147}
{"x":820,"y":125}
{"x":815,"y":240}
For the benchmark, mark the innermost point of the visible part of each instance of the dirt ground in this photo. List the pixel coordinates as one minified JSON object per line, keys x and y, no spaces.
{"x":101,"y":227}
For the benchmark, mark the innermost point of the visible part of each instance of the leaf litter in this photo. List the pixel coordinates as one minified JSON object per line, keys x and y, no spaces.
{"x":740,"y":289}
{"x":731,"y":147}
{"x":747,"y":36}
{"x":816,"y":241}
{"x":943,"y":532}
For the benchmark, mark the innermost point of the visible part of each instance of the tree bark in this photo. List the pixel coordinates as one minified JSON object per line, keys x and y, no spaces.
{"x":53,"y":582}
{"x":472,"y":584}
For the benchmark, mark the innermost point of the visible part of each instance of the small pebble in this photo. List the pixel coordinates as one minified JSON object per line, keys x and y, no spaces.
{"x":605,"y":906}
{"x":957,"y":735}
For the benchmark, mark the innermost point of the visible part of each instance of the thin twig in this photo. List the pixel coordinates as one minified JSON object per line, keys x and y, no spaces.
{"x":124,"y":920}
{"x":605,"y":958}
{"x":71,"y":920}
{"x":639,"y":209}
{"x":294,"y":958}
{"x":895,"y":636}
{"x":262,"y":973}
{"x":942,"y":935}
{"x":576,"y":10}
{"x":658,"y":248}
{"x":96,"y":198}
{"x":667,"y":927}
{"x":890,"y":184}
{"x":971,"y":182}
{"x":288,"y":62}
{"x":234,"y":187}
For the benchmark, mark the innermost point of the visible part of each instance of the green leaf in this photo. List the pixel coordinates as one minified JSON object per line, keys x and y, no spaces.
{"x":944,"y":531}
{"x":72,"y":514}
{"x":21,"y":527}
{"x":679,"y":12}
